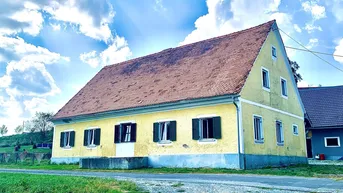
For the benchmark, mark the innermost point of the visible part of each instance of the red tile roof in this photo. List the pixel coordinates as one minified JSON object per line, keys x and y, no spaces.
{"x":213,"y":67}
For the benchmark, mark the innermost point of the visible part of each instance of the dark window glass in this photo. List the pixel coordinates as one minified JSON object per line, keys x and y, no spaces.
{"x":265,"y":77}
{"x":274,"y":52}
{"x":207,"y":128}
{"x":332,"y":142}
{"x":284,"y":87}
{"x":258,"y":128}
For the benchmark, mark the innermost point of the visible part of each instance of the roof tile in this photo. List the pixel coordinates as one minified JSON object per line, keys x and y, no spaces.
{"x":323,"y":105}
{"x":212,"y":67}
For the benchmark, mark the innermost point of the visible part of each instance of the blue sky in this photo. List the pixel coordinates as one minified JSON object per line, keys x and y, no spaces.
{"x":50,"y":49}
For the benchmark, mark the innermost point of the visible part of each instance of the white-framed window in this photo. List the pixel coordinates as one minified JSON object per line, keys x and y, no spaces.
{"x":279,"y":133}
{"x":265,"y":79}
{"x":125,"y":132}
{"x":92,"y":137}
{"x":332,"y":141}
{"x":295,"y":129}
{"x":67,"y":139}
{"x":164,"y":132}
{"x":274,"y":53}
{"x":283,"y":83}
{"x":206,"y":128}
{"x":258,"y":129}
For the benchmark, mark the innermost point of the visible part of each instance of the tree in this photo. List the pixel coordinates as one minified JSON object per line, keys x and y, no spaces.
{"x":42,"y":123}
{"x":29,"y":126}
{"x":3,"y":130}
{"x":295,"y":67}
{"x":19,"y":129}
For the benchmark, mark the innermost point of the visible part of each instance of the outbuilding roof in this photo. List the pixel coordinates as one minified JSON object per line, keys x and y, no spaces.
{"x":213,"y":67}
{"x":323,"y":105}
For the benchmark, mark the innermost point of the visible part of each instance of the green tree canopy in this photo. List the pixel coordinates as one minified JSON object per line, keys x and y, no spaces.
{"x":295,"y":67}
{"x":3,"y":130}
{"x":19,"y":129}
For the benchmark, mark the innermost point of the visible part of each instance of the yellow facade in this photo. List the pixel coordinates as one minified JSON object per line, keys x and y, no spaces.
{"x":145,"y":146}
{"x":254,"y":100}
{"x":286,"y":109}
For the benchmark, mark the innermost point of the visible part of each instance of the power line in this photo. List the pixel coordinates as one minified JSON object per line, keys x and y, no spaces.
{"x":311,"y":51}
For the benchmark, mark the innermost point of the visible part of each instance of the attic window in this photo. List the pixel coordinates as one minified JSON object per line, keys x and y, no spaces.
{"x":265,"y":79}
{"x":274,"y":54}
{"x":284,"y":91}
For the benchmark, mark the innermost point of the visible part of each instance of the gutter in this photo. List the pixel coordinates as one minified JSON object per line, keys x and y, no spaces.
{"x":240,"y":145}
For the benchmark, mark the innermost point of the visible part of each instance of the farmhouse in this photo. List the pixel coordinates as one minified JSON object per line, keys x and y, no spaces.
{"x":226,"y":102}
{"x":324,"y":121}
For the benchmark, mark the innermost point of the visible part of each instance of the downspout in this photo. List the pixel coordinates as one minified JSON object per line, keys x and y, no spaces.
{"x":240,"y":140}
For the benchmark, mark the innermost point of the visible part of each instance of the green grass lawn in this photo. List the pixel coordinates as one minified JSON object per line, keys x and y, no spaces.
{"x":51,"y":183}
{"x":28,"y":148}
{"x":330,"y":171}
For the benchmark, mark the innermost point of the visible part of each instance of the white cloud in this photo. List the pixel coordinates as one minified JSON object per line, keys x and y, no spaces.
{"x":297,"y":28}
{"x":10,"y":114}
{"x":224,"y":17}
{"x":313,"y":42}
{"x":310,"y":28}
{"x":317,"y":11}
{"x":91,"y":17}
{"x":56,"y":27}
{"x":20,"y":17}
{"x":118,"y":51}
{"x":18,"y":49}
{"x":336,"y":8}
{"x":159,"y":6}
{"x":40,"y":105}
{"x":26,"y":65}
{"x":339,"y":51}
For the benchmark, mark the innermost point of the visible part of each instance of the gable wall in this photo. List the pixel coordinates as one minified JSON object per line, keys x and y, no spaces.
{"x":272,"y":106}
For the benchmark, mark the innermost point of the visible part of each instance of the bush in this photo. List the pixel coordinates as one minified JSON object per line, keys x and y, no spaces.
{"x":34,"y":146}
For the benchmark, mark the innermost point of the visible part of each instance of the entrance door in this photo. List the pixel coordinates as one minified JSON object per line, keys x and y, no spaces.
{"x":309,"y":148}
{"x":125,"y":138}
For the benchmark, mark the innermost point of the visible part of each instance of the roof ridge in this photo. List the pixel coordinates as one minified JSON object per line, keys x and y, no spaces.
{"x":209,"y":39}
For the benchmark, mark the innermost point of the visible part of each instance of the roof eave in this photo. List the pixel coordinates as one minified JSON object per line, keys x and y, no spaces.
{"x":223,"y":99}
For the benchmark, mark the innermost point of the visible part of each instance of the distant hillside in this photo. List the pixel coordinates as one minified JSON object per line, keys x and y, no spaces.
{"x":25,"y":139}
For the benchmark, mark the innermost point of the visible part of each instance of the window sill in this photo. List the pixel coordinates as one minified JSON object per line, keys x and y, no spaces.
{"x":162,"y":143}
{"x":296,"y":134}
{"x":91,"y":147}
{"x":274,"y":57}
{"x":259,"y":141}
{"x":285,"y":97}
{"x":266,"y":89}
{"x":207,"y":141}
{"x":280,"y":144}
{"x":67,"y":148}
{"x":332,"y":146}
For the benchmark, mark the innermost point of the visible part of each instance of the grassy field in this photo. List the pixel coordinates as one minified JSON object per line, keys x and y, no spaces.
{"x":330,"y":171}
{"x":50,"y":183}
{"x":28,"y":148}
